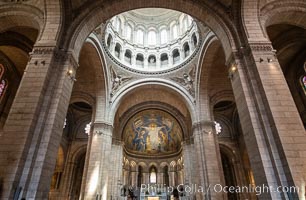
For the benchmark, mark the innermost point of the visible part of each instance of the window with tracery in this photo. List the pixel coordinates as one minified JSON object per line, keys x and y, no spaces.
{"x":3,"y":82}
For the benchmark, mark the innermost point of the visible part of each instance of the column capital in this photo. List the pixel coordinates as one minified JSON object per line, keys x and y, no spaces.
{"x":103,"y":128}
{"x":204,"y":126}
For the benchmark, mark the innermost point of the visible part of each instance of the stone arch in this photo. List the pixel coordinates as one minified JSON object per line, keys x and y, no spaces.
{"x":78,"y":152}
{"x":225,"y":95}
{"x":207,"y":12}
{"x":82,"y":97}
{"x":21,"y":15}
{"x":283,"y":13}
{"x":210,"y":48}
{"x":129,"y":88}
{"x":53,"y":22}
{"x":99,"y":66}
{"x":250,"y":20}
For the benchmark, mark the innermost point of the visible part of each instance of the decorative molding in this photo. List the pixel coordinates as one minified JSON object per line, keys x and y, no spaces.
{"x":118,"y":63}
{"x":261,"y":47}
{"x":117,"y":80}
{"x":187,"y":81}
{"x":102,"y":128}
{"x":203,"y":127}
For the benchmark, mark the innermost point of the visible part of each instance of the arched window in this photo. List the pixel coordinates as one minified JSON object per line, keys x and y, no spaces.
{"x":186,"y":49}
{"x":139,"y":181}
{"x":128,"y":32}
{"x":176,"y":56}
{"x":163,"y":36}
{"x":194,"y":39}
{"x":139,"y":36}
{"x":152,"y":175}
{"x":174,"y":31}
{"x":151,"y":38}
{"x":117,"y":50}
{"x":164,"y":59}
{"x":118,"y":26}
{"x":3,"y":83}
{"x":109,"y":40}
{"x":152,"y":61}
{"x":139,"y":60}
{"x":166,"y":176}
{"x":128,"y":56}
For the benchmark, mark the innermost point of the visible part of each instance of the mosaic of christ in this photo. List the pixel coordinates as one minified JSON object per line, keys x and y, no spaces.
{"x":152,"y":132}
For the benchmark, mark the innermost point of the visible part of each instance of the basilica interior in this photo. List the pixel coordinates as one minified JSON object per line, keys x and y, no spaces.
{"x":124,"y":100}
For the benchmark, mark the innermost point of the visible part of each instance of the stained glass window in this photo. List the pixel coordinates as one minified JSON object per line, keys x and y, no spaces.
{"x":3,"y":83}
{"x":2,"y":88}
{"x":303,"y":82}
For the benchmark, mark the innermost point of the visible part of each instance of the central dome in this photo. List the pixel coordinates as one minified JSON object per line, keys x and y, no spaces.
{"x":151,"y":39}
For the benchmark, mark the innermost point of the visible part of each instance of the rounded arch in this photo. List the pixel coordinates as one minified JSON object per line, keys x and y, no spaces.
{"x":82,"y":97}
{"x":210,"y":49}
{"x":150,"y":83}
{"x":78,"y":152}
{"x":208,"y":12}
{"x":283,"y":13}
{"x":21,"y":15}
{"x":101,"y":73}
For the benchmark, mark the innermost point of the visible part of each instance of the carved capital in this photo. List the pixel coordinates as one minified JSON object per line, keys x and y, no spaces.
{"x":102,"y":128}
{"x":204,"y":126}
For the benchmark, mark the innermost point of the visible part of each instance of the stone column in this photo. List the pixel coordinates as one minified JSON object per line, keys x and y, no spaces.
{"x":134,"y":178}
{"x":67,"y":179}
{"x":100,"y":161}
{"x":32,"y":133}
{"x":208,"y":162}
{"x":182,"y":54}
{"x":115,"y":170}
{"x":273,"y":131}
{"x":133,"y":60}
{"x":145,"y":62}
{"x":172,"y":178}
{"x":170,"y":63}
{"x":125,"y":177}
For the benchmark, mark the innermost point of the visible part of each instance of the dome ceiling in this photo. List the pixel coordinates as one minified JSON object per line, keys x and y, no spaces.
{"x":152,"y":132}
{"x":151,"y":39}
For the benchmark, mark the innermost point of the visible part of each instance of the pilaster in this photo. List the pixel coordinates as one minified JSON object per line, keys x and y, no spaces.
{"x":37,"y":120}
{"x":208,"y":163}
